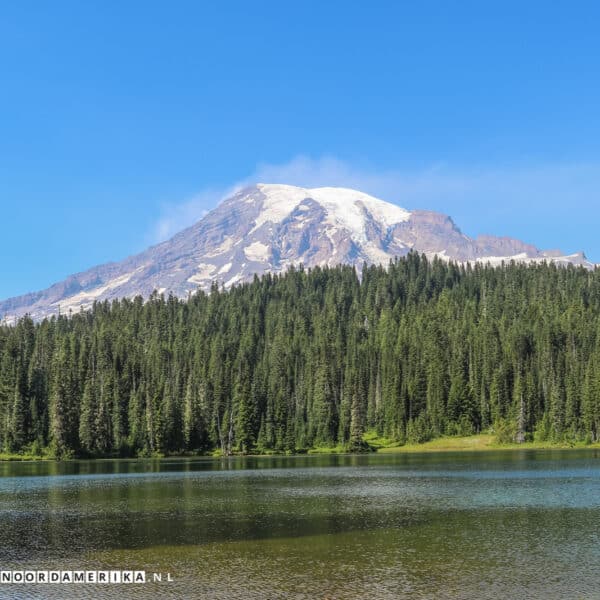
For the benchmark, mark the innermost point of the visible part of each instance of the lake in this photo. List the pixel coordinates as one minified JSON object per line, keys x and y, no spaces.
{"x":506,"y":524}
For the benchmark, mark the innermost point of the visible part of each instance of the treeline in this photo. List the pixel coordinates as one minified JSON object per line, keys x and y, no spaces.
{"x":312,"y":358}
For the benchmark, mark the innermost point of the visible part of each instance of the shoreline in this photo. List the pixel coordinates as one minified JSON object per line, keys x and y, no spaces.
{"x":474,"y":443}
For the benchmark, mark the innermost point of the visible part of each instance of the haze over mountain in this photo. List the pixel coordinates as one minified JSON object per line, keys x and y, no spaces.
{"x":268,"y":228}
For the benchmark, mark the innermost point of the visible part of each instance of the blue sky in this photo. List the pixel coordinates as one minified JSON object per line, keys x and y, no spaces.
{"x":123,"y":121}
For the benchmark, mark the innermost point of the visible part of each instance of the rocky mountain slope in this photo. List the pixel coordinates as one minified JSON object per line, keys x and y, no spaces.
{"x":268,"y":228}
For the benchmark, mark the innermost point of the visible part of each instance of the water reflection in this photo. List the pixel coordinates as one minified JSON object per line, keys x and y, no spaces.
{"x":437,"y":525}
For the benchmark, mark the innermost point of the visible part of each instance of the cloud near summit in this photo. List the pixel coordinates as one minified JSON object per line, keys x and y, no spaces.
{"x":511,"y":200}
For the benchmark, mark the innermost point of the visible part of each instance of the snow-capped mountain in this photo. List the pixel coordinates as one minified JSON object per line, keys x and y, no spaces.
{"x":268,"y":228}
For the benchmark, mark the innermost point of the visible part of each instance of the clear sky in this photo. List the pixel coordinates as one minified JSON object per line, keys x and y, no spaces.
{"x":123,"y":121}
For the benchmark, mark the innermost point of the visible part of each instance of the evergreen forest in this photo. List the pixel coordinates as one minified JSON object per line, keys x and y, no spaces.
{"x":313,"y":358}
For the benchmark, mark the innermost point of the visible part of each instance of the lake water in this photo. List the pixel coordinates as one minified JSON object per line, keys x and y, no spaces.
{"x":510,"y":524}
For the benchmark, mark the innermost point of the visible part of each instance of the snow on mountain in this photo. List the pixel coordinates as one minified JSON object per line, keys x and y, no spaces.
{"x":268,"y":228}
{"x":344,"y":207}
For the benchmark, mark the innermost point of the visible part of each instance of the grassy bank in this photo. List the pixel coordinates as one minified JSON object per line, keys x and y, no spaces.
{"x":480,"y":442}
{"x":7,"y":456}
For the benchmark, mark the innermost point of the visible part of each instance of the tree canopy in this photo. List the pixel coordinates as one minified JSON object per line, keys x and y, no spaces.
{"x":414,"y":350}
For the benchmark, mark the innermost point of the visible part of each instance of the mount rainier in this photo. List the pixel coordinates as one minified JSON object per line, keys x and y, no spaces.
{"x":268,"y":228}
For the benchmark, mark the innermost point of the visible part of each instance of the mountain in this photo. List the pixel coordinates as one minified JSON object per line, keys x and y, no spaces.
{"x":268,"y":228}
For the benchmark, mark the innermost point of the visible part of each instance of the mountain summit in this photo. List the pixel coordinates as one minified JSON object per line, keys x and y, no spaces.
{"x":268,"y":228}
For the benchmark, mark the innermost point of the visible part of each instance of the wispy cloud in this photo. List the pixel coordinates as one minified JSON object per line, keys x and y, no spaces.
{"x":176,"y":216}
{"x":394,"y":186}
{"x":536,"y":202}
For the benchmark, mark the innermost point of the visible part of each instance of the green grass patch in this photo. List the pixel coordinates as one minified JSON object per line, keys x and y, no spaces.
{"x":8,"y":456}
{"x":480,"y":442}
{"x":446,"y":444}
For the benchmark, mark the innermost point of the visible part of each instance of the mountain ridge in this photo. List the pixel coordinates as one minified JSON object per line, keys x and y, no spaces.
{"x":268,"y":228}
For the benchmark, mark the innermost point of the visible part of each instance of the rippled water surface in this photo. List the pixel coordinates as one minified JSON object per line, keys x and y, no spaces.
{"x":482,"y":525}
